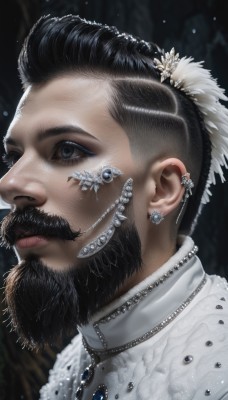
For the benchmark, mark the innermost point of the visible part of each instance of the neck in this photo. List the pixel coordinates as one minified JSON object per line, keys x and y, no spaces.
{"x":154,"y":256}
{"x":148,"y":307}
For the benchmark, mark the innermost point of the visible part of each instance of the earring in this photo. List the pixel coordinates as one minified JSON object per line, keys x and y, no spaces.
{"x":156,"y":217}
{"x":188,"y":184}
{"x":88,"y":180}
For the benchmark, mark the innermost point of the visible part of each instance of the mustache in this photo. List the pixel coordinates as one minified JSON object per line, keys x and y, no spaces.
{"x":33,"y":222}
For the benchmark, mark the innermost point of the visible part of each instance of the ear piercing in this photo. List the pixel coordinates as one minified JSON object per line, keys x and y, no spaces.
{"x":92,"y":181}
{"x":156,"y":217}
{"x":188,"y":185}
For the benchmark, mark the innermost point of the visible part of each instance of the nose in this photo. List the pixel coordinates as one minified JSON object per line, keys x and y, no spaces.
{"x":22,"y":185}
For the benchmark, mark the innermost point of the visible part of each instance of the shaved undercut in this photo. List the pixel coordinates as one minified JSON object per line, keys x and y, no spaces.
{"x":159,"y":120}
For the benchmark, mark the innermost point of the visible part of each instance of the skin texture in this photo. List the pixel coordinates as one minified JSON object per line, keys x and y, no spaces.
{"x":39,"y":177}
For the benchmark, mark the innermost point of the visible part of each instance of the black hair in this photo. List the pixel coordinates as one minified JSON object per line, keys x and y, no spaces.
{"x":148,"y":110}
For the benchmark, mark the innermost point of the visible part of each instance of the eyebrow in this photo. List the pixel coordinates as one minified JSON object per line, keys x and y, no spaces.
{"x":54,"y":131}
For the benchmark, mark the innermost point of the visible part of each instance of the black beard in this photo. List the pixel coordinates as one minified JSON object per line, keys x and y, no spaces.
{"x":46,"y":305}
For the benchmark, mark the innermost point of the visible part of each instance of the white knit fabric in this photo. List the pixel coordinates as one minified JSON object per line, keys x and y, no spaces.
{"x":156,"y":366}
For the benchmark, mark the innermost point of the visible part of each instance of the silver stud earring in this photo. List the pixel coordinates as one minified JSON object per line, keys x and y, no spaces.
{"x":188,"y":184}
{"x":88,"y":180}
{"x":156,"y":217}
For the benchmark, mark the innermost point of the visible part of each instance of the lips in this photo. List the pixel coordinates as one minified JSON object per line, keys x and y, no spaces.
{"x":25,"y":239}
{"x":30,"y":241}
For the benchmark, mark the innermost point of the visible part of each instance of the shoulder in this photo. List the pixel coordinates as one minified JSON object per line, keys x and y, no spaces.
{"x":190,"y":358}
{"x":65,"y":371}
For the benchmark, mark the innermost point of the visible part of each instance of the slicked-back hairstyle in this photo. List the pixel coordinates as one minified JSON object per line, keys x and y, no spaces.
{"x":158,"y":119}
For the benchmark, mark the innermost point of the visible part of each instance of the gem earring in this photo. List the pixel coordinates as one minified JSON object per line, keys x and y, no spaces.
{"x":156,"y":217}
{"x":88,"y":180}
{"x":188,"y":185}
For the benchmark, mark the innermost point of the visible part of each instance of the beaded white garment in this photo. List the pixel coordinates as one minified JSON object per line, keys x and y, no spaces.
{"x":187,"y":358}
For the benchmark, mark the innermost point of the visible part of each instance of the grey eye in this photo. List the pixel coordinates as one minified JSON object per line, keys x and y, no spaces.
{"x":67,"y":151}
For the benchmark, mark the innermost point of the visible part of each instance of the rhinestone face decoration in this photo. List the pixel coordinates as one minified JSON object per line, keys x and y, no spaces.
{"x":101,"y":241}
{"x":92,"y":181}
{"x":101,"y":393}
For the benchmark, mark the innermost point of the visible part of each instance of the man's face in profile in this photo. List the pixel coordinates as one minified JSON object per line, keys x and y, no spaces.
{"x":61,"y":127}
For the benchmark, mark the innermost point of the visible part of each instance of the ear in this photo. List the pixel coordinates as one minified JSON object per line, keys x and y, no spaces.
{"x":165,"y":191}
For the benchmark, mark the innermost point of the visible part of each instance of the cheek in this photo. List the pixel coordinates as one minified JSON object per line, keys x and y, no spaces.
{"x":83,"y":208}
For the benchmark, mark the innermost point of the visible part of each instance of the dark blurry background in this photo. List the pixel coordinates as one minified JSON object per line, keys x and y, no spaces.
{"x":194,"y":28}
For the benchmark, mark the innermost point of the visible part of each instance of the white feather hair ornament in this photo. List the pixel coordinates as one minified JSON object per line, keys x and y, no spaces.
{"x":202,"y":88}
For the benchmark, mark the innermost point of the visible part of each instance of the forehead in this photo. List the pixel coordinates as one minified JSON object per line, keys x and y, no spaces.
{"x":68,"y":99}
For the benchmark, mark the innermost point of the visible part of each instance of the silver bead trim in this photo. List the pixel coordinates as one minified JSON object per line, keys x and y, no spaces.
{"x":118,"y":218}
{"x":132,"y":302}
{"x":153,"y":331}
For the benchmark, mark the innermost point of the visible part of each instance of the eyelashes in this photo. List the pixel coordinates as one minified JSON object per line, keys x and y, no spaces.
{"x":65,"y":152}
{"x":10,"y":158}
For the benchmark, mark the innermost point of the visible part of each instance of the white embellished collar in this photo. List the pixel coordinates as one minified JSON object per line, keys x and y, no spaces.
{"x":149,"y":306}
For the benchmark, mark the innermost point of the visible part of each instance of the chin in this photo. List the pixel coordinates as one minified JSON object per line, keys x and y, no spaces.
{"x":46,"y":303}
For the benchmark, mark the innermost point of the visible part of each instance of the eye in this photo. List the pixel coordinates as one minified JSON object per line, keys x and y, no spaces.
{"x":11,"y":158}
{"x":70,"y":152}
